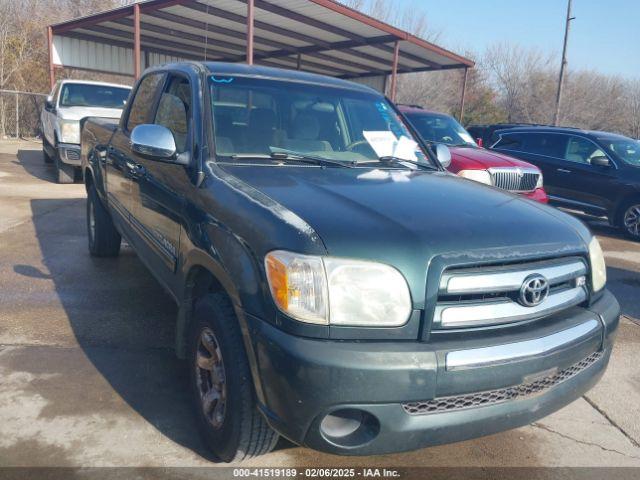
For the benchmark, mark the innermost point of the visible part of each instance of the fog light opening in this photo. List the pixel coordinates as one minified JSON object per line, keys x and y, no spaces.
{"x":349,"y":427}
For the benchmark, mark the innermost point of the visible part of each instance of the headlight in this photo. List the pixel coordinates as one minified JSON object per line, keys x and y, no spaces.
{"x":598,"y":267}
{"x":334,"y":291}
{"x":540,"y":182}
{"x":69,"y":131}
{"x":481,"y":176}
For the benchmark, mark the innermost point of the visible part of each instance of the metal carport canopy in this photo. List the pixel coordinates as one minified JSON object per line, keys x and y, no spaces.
{"x":320,"y":36}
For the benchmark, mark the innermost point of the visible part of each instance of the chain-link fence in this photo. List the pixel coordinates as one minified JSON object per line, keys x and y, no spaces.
{"x":20,"y":114}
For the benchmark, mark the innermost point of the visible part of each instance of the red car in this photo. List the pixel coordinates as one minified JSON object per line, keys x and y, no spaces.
{"x":471,"y":161}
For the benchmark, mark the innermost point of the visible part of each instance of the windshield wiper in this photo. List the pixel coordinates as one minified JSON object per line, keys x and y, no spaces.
{"x":296,"y":157}
{"x":398,"y":160}
{"x":312,"y":159}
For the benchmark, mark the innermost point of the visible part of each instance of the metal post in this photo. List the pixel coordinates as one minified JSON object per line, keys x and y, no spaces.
{"x":464,"y":92}
{"x":52,"y":73}
{"x":250,"y":15}
{"x":556,"y":113}
{"x":17,"y":116}
{"x":394,"y":71}
{"x":136,"y":41}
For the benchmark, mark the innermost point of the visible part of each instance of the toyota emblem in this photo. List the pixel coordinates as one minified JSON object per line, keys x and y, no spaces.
{"x":534,"y":290}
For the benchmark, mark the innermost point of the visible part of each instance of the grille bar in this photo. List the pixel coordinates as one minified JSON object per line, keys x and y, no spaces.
{"x":490,"y":295}
{"x":493,"y":397}
{"x":515,"y":179}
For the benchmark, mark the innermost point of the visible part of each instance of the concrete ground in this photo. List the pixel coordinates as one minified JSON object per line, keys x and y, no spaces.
{"x":88,"y":377}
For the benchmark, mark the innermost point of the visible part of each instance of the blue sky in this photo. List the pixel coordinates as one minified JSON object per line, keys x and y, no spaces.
{"x":605,"y":35}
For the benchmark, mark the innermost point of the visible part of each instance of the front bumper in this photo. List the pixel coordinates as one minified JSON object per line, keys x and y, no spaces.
{"x":302,"y":380}
{"x":69,"y":153}
{"x":539,"y":195}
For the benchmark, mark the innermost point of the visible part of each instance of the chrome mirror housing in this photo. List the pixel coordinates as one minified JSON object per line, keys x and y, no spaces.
{"x":444,"y":155}
{"x":153,"y":141}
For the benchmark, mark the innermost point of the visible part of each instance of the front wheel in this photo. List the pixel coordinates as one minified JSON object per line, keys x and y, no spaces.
{"x":629,"y":219}
{"x":45,"y":155}
{"x":64,"y":173}
{"x":104,"y":239}
{"x":221,"y":384}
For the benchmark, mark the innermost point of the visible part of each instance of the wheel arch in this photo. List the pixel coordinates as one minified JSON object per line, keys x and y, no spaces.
{"x":204,"y":277}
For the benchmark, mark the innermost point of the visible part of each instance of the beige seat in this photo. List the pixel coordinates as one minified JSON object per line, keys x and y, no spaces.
{"x":305,"y":135}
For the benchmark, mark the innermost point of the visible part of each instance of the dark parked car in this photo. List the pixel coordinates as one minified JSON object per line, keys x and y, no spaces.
{"x":335,"y":284}
{"x":485,"y":135}
{"x":594,"y":172}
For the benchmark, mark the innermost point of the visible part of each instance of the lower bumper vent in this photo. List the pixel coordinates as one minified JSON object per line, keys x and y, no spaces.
{"x":492,"y":397}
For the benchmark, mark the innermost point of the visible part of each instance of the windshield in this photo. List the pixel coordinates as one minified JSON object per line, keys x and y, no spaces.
{"x":257,"y":117}
{"x":626,"y":149}
{"x":87,"y":95}
{"x":438,"y":128}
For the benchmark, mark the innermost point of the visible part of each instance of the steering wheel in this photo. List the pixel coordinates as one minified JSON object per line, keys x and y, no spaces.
{"x":447,"y":139}
{"x":355,"y":144}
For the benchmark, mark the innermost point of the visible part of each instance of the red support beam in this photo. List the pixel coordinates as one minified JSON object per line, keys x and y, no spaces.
{"x":464,"y":92}
{"x":394,"y":71}
{"x":52,"y":72}
{"x":250,"y":18}
{"x":136,"y":41}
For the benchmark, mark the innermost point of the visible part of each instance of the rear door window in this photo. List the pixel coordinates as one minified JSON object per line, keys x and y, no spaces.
{"x":510,"y":141}
{"x":143,"y":100}
{"x":547,"y":144}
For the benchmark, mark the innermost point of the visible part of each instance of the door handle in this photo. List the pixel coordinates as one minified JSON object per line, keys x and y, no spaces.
{"x":563,"y":170}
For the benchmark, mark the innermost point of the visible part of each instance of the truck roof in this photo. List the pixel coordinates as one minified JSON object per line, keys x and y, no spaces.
{"x":91,"y":82}
{"x":240,"y":69}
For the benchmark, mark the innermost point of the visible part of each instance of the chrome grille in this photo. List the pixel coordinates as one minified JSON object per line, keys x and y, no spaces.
{"x":492,"y":397}
{"x":515,"y":179}
{"x":476,"y":297}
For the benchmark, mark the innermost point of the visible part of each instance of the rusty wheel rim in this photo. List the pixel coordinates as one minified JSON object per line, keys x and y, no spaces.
{"x":210,"y":378}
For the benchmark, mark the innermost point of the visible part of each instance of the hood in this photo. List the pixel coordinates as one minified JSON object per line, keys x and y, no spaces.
{"x":479,"y":158}
{"x":407,"y":218}
{"x":78,"y":113}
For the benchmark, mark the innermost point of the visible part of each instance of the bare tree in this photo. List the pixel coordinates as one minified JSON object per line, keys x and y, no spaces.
{"x":632,"y":117}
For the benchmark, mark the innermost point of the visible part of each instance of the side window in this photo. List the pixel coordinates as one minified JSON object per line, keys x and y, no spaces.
{"x":174,"y":110}
{"x":581,"y":150}
{"x":549,"y":145}
{"x":510,"y":141}
{"x":143,"y":100}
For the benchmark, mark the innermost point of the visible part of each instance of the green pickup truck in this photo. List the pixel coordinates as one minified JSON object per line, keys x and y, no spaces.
{"x":335,"y":284}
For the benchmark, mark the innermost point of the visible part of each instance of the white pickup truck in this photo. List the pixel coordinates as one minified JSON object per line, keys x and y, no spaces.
{"x":69,"y":102}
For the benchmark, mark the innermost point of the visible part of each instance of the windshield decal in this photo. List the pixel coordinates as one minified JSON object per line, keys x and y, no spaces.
{"x":222,"y":80}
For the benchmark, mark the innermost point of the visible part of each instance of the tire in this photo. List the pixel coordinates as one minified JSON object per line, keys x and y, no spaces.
{"x":104,"y":239}
{"x":64,"y":173}
{"x":629,"y":218}
{"x":45,"y":155}
{"x":232,"y":427}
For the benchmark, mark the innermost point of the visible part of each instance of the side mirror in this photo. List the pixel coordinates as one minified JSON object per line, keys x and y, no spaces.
{"x":600,"y":161}
{"x":444,"y":155}
{"x":48,"y":104}
{"x":155,"y":142}
{"x":479,"y":142}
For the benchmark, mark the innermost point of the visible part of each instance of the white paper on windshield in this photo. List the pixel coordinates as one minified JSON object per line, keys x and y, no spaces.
{"x":382,"y":142}
{"x":405,"y":148}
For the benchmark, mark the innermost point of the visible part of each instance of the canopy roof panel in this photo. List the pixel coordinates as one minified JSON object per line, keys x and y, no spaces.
{"x":321,"y":36}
